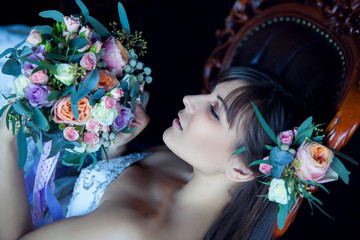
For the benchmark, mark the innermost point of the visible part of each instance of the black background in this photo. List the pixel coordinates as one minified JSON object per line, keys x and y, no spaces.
{"x":181,"y":35}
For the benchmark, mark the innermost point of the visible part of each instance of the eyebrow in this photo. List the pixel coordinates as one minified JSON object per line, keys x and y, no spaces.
{"x":224,"y":106}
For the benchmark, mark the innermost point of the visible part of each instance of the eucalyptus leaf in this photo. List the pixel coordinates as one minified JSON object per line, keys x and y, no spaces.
{"x":74,"y":103}
{"x":56,"y":146}
{"x":343,"y":155}
{"x":37,"y":137}
{"x":70,"y":159}
{"x":282,"y":215}
{"x":40,"y":120}
{"x":135,"y":90}
{"x":54,"y":14}
{"x":276,"y":171}
{"x":240,"y":150}
{"x":83,"y":8}
{"x":7,"y":51}
{"x":339,"y":167}
{"x":260,"y":162}
{"x":99,"y":28}
{"x":123,"y":18}
{"x":22,"y":147}
{"x":54,"y":95}
{"x":25,"y":51}
{"x":127,"y":130}
{"x":12,"y":67}
{"x":94,"y":160}
{"x":91,"y":81}
{"x":43,"y":29}
{"x":105,"y":152}
{"x":3,"y":109}
{"x":78,"y":43}
{"x":22,"y":108}
{"x":82,"y":160}
{"x":264,"y":124}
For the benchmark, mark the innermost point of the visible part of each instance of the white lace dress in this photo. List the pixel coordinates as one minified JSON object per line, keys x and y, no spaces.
{"x":92,"y":183}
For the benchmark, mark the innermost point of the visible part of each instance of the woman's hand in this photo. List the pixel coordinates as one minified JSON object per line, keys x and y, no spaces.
{"x":140,"y":122}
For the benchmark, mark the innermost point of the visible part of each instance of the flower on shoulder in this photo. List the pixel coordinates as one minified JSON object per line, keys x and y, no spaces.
{"x":278,"y":192}
{"x":313,"y":163}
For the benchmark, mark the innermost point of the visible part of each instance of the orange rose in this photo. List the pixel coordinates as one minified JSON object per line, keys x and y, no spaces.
{"x":107,"y":81}
{"x":62,"y":113}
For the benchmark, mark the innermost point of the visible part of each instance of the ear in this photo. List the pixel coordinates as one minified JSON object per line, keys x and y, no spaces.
{"x":238,"y":172}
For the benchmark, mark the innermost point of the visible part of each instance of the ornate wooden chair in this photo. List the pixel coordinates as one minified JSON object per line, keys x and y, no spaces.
{"x":313,"y":45}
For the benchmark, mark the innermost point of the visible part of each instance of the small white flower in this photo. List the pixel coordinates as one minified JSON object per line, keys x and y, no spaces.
{"x":65,"y":73}
{"x":277,"y":191}
{"x":19,"y":84}
{"x":104,"y":116}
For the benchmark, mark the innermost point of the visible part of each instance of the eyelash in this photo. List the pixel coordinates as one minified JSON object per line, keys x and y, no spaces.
{"x":213,"y":112}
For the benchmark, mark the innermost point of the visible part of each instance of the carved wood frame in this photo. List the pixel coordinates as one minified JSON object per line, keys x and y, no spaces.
{"x":338,"y":18}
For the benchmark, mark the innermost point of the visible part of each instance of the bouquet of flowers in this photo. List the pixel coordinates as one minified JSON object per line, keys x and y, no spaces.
{"x":77,"y":85}
{"x":76,"y":88}
{"x":298,"y":162}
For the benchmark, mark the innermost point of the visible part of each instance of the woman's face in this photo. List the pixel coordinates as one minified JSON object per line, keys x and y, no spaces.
{"x":201,"y":135}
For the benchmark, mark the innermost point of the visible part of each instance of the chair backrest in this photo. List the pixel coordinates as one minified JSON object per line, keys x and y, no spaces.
{"x":314,"y":46}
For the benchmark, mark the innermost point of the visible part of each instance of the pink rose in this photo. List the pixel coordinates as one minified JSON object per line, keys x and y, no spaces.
{"x":34,"y":38}
{"x":91,"y":138}
{"x":71,"y":134}
{"x":108,"y":102}
{"x":88,"y":61}
{"x":104,"y":128}
{"x":72,"y":23}
{"x":96,"y":47}
{"x":83,"y":49}
{"x":92,"y":126}
{"x":39,"y":77}
{"x":85,"y":32}
{"x":286,"y":137}
{"x":69,"y":35}
{"x":117,"y":93}
{"x":265,"y":168}
{"x":116,"y":56}
{"x":313,"y":163}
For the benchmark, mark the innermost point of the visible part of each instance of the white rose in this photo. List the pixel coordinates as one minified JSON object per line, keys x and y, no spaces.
{"x":19,"y":84}
{"x":95,"y":148}
{"x":65,"y":74}
{"x":277,"y":191}
{"x":104,"y":116}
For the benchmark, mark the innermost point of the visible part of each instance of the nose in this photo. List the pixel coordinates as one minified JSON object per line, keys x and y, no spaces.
{"x":188,"y":102}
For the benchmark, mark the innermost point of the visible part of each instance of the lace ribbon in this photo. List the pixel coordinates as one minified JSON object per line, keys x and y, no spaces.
{"x":40,"y":186}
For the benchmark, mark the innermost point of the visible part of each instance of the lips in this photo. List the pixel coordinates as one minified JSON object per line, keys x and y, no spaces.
{"x":176,"y":123}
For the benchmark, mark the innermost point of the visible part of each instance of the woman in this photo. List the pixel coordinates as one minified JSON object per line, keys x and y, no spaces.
{"x":196,"y":190}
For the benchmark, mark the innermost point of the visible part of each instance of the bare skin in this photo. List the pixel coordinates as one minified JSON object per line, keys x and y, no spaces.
{"x":158,"y":197}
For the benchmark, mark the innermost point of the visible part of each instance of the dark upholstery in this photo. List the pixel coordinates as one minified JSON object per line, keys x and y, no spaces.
{"x":300,"y":54}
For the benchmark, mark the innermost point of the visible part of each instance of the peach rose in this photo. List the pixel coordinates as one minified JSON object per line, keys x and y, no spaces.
{"x":313,"y":163}
{"x":61,"y":112}
{"x":71,"y":134}
{"x":107,"y":81}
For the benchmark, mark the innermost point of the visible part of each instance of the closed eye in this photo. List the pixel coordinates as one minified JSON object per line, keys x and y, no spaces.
{"x":213,"y":112}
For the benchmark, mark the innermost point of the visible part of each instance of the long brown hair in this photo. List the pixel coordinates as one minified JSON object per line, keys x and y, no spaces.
{"x":249,"y":216}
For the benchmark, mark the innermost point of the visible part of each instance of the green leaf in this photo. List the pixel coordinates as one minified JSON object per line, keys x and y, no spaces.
{"x":78,"y":43}
{"x":83,"y":8}
{"x":339,"y":167}
{"x":22,"y":147}
{"x":240,"y":150}
{"x":259,"y":162}
{"x":264,"y":124}
{"x":74,"y":103}
{"x":70,"y":159}
{"x":25,"y":51}
{"x":105,"y":152}
{"x":90,"y":82}
{"x":12,"y":67}
{"x":54,"y":14}
{"x":40,"y":120}
{"x":123,"y":18}
{"x":315,"y":184}
{"x":99,"y":28}
{"x":94,"y":160}
{"x":3,"y":109}
{"x":305,"y":130}
{"x":7,"y":51}
{"x":22,"y":108}
{"x":56,"y":146}
{"x":54,"y":95}
{"x":82,"y":160}
{"x":127,"y":130}
{"x":37,"y":138}
{"x":282,"y":215}
{"x":135,"y":90}
{"x":43,"y":29}
{"x":343,"y":155}
{"x":268,"y":147}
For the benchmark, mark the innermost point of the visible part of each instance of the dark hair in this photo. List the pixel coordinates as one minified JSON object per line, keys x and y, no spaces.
{"x":249,"y":216}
